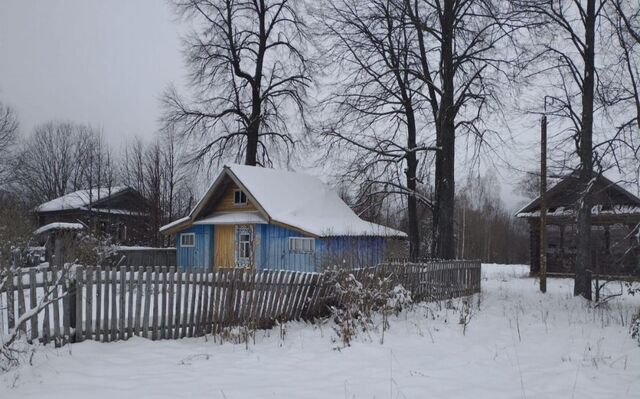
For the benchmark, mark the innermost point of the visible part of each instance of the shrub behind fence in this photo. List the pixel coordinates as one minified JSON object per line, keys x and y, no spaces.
{"x":162,"y":303}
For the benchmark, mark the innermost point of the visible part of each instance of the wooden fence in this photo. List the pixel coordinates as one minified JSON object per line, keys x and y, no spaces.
{"x":105,"y":304}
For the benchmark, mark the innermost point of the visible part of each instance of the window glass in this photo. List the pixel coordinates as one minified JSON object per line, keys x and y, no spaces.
{"x":301,"y":244}
{"x":187,"y":239}
{"x":239,"y":197}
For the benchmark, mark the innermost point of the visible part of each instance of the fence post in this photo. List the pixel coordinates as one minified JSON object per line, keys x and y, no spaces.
{"x":10,"y":302}
{"x":70,"y":309}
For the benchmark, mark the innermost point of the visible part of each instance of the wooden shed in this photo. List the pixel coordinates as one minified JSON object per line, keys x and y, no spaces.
{"x":615,"y":228}
{"x":274,"y":219}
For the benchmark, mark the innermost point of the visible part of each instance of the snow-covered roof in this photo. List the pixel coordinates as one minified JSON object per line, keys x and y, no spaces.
{"x":79,"y":199}
{"x":619,"y":210}
{"x":233,"y":218}
{"x":58,"y":226}
{"x":295,"y":200}
{"x":609,"y":199}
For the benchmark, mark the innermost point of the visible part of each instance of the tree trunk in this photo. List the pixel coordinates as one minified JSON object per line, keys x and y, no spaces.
{"x":446,"y":137}
{"x":412,"y":203}
{"x":582,"y":284}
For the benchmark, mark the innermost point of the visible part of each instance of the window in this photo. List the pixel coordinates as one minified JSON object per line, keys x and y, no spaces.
{"x":243,"y":254}
{"x":239,"y":198}
{"x":244,"y":246}
{"x":302,"y":244}
{"x":188,"y":240}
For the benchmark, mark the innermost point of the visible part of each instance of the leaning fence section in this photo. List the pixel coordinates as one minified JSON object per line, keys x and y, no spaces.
{"x":107,"y":304}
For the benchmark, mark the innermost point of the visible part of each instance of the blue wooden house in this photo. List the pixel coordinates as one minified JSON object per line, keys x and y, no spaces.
{"x":272,"y":219}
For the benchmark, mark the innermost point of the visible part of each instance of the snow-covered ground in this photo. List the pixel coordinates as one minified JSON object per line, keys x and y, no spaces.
{"x":518,"y":344}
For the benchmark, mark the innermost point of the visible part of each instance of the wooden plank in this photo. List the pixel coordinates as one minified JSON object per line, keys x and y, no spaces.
{"x":57,"y":326}
{"x":79,"y":304}
{"x":122,"y":307}
{"x":255,"y":297}
{"x":216,"y":294}
{"x":162,"y":301}
{"x":185,"y":305}
{"x":11,"y":315}
{"x":274,"y":289}
{"x":192,"y":304}
{"x":241,"y":297}
{"x":66,"y":310}
{"x":165,"y":304}
{"x":98,"y":301}
{"x":204,"y":315}
{"x":46,"y":328}
{"x":225,"y":284}
{"x":200,"y":309}
{"x":299,"y":300}
{"x":178,"y":319}
{"x":114,"y":304}
{"x":89,"y":303}
{"x":106,"y":323}
{"x":170,"y":334}
{"x":147,"y":304}
{"x":140,"y":286}
{"x":156,"y":304}
{"x":284,"y":295}
{"x":130,"y":297}
{"x":196,"y":305}
{"x":33,"y":303}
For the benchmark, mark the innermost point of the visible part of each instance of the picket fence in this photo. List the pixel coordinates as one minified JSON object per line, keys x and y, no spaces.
{"x":103,"y":304}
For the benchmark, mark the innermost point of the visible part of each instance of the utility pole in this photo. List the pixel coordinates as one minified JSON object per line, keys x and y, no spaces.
{"x":543,"y":204}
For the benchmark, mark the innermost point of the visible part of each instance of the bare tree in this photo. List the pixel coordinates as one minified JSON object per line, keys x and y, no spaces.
{"x":8,"y":132}
{"x":61,"y":157}
{"x":154,"y":171}
{"x":247,"y":71}
{"x":376,"y":102}
{"x":460,"y":59}
{"x":47,"y":162}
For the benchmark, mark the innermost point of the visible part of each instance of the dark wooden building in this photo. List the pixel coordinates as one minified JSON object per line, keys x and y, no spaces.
{"x":119,"y":212}
{"x":615,"y":228}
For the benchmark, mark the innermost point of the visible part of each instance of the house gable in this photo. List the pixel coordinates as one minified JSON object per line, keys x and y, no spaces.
{"x":225,"y":202}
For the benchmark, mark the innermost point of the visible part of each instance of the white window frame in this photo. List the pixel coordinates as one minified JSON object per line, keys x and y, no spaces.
{"x":183,"y":236}
{"x":304,"y":245}
{"x":244,"y":260}
{"x":242,"y":194}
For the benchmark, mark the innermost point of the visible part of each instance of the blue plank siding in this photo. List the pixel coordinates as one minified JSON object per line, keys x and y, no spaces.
{"x":272,"y":250}
{"x":349,"y":251}
{"x":200,"y":256}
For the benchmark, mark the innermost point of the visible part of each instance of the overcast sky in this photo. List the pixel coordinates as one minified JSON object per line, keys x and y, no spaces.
{"x":101,"y":62}
{"x":105,"y":63}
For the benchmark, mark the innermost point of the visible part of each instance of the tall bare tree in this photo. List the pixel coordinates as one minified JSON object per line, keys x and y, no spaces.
{"x":248,"y":72}
{"x":460,"y":58}
{"x":376,"y":102}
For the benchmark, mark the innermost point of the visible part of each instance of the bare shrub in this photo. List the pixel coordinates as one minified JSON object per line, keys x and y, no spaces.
{"x":358,"y":302}
{"x":635,"y":327}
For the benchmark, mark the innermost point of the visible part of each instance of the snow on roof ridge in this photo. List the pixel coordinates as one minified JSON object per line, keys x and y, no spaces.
{"x":79,"y":198}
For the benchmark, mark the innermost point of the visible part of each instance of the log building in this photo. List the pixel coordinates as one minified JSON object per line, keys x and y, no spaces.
{"x":615,"y":228}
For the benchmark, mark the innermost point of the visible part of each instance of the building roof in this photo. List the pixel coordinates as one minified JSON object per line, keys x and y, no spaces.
{"x":58,"y":226}
{"x":80,"y":199}
{"x":609,"y":198}
{"x":294,"y":200}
